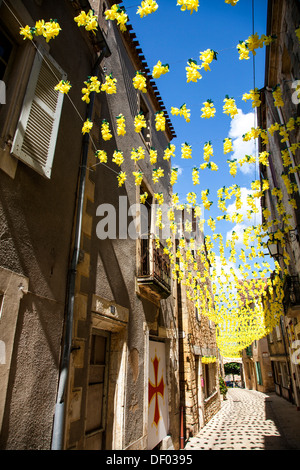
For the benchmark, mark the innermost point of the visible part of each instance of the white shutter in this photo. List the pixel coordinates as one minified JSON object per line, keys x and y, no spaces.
{"x":35,"y":138}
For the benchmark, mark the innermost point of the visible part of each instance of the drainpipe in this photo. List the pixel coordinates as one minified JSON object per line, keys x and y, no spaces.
{"x":58,"y":425}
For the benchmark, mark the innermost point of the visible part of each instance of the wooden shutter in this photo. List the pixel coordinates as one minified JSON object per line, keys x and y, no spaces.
{"x":35,"y":138}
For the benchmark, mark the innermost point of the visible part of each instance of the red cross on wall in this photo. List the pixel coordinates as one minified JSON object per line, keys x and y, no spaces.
{"x":155,"y":390}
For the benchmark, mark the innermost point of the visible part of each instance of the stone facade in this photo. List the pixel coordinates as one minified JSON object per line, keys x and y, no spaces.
{"x":199,"y":381}
{"x":257,"y":367}
{"x":82,"y":312}
{"x":282,"y":68}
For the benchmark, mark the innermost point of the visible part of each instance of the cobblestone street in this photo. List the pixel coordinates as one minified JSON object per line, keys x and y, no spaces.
{"x":250,"y":420}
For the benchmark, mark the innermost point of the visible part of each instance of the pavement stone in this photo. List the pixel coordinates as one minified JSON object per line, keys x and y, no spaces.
{"x":250,"y":420}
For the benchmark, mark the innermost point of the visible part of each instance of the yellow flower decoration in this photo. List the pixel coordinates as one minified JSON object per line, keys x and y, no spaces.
{"x":229,"y":107}
{"x":186,"y":151}
{"x":207,"y":57}
{"x":160,"y":121}
{"x":105,"y":131}
{"x":208,"y":110}
{"x":138,"y":175}
{"x":192,"y":71}
{"x":87,"y":126}
{"x":254,"y":96}
{"x":169,"y":152}
{"x":118,"y":157}
{"x":156,"y":174}
{"x":277,"y":95}
{"x":139,"y":122}
{"x":227,"y":145}
{"x":160,"y":69}
{"x":88,"y":20}
{"x":63,"y":87}
{"x":143,"y":198}
{"x":195,"y":176}
{"x":182,"y":111}
{"x":139,"y":82}
{"x":174,"y":175}
{"x":121,"y":178}
{"x":191,"y":5}
{"x":121,"y":128}
{"x":117,"y":13}
{"x":147,"y":7}
{"x":110,"y":85}
{"x":102,"y":155}
{"x":138,"y":154}
{"x":153,"y":156}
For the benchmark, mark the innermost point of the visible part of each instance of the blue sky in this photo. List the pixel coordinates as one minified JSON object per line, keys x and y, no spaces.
{"x":174,"y":36}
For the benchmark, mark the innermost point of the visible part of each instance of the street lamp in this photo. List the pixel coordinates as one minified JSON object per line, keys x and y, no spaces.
{"x":274,"y":248}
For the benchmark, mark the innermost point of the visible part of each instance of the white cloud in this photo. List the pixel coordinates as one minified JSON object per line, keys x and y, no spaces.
{"x":240,"y":125}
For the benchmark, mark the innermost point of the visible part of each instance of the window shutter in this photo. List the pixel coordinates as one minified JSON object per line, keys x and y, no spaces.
{"x":35,"y":138}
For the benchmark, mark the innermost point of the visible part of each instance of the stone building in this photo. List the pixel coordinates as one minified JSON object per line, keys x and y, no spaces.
{"x":257,"y":367}
{"x":282,"y":199}
{"x":198,"y":353}
{"x":88,"y":329}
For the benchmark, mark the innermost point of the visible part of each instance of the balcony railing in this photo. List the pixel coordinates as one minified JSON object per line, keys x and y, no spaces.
{"x":154,"y":270}
{"x":292,"y":295}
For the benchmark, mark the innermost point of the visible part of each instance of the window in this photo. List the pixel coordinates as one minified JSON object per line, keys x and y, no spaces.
{"x":6,"y":47}
{"x":35,"y":138}
{"x":209,"y":372}
{"x":145,"y":132}
{"x":258,"y":373}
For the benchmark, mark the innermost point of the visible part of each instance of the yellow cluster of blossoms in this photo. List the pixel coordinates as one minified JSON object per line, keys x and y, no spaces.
{"x":191,"y":5}
{"x":48,"y":29}
{"x":147,"y":7}
{"x":119,"y":14}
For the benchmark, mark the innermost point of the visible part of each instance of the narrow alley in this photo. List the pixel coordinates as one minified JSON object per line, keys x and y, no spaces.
{"x":250,"y":420}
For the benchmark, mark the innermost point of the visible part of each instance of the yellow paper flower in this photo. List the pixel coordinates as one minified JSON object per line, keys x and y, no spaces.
{"x":118,"y":157}
{"x":195,"y":176}
{"x":174,"y":175}
{"x":153,"y":156}
{"x":277,"y":95}
{"x":105,"y":131}
{"x":121,"y":128}
{"x":160,"y":69}
{"x":143,"y":198}
{"x":110,"y":85}
{"x":27,"y":32}
{"x":169,"y":152}
{"x":227,"y":145}
{"x":207,"y":57}
{"x":138,"y":154}
{"x":243,"y":51}
{"x":121,"y":178}
{"x":208,"y":110}
{"x":253,"y":95}
{"x":138,"y":175}
{"x":63,"y":87}
{"x":156,"y":174}
{"x":139,"y":122}
{"x":160,"y":121}
{"x":191,"y":5}
{"x":102,"y":155}
{"x":186,"y":151}
{"x":87,"y":126}
{"x":192,"y":71}
{"x":229,"y":107}
{"x":139,"y":82}
{"x":147,"y":7}
{"x":88,"y":20}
